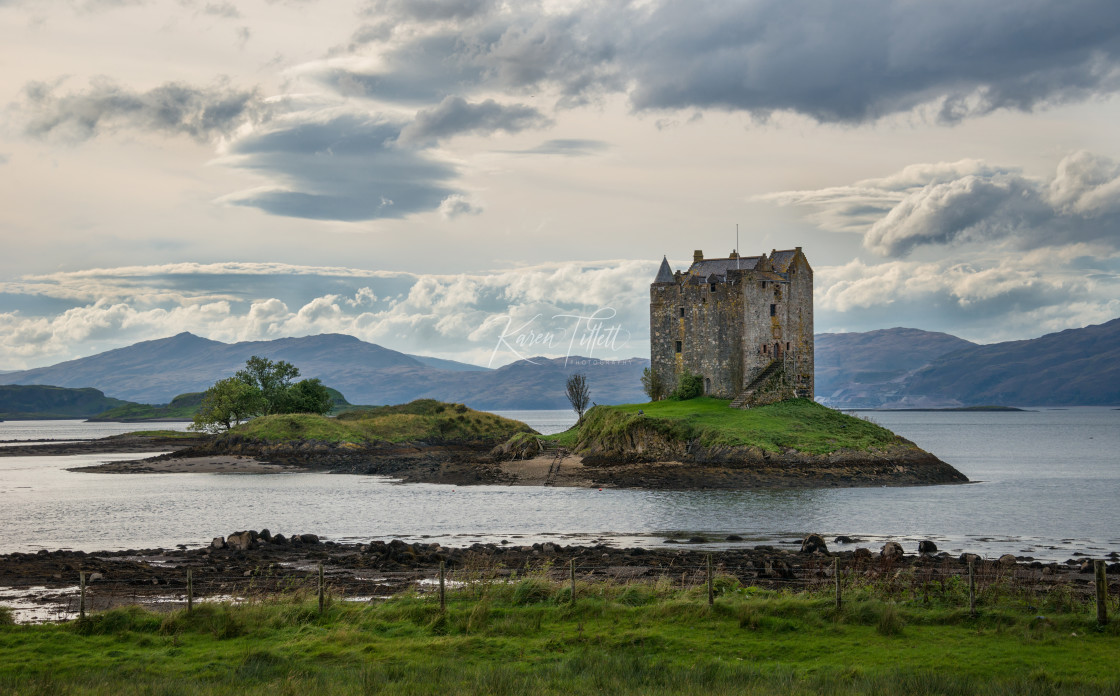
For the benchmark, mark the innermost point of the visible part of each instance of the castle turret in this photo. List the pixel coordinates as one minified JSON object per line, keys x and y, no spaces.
{"x":664,"y":274}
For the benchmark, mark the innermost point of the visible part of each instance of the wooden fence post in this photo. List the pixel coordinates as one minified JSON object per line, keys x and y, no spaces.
{"x":82,"y":596}
{"x":442,"y":595}
{"x":322,"y":588}
{"x":190,"y":591}
{"x":971,"y":589}
{"x":572,"y":577}
{"x":836,"y":574}
{"x":1102,"y":592}
{"x":711,"y":590}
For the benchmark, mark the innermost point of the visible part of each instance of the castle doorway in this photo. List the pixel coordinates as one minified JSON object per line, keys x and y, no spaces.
{"x":777,"y":351}
{"x":707,"y":385}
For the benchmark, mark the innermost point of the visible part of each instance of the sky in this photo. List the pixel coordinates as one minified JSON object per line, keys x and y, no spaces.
{"x":484,"y":180}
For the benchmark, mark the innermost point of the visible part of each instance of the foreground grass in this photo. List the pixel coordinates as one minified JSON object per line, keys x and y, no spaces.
{"x":799,"y":424}
{"x":424,"y":420}
{"x":526,"y":638}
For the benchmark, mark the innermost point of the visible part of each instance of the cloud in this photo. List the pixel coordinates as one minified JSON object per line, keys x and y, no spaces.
{"x":981,"y":297}
{"x":338,"y":165}
{"x":456,"y":205}
{"x":458,"y":316}
{"x":972,"y":202}
{"x":430,"y":10}
{"x":221,"y":9}
{"x":202,"y":113}
{"x":455,"y":116}
{"x":834,"y":61}
{"x":568,"y":147}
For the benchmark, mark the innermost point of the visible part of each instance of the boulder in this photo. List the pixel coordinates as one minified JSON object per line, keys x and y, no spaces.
{"x":862,"y":553}
{"x":1007,"y":560}
{"x":279,"y":539}
{"x":966,"y":558}
{"x":242,"y":541}
{"x":265,"y":535}
{"x":218,"y":543}
{"x":892,"y":549}
{"x":844,"y":540}
{"x":813,"y":543}
{"x":309,"y":538}
{"x":927,"y":546}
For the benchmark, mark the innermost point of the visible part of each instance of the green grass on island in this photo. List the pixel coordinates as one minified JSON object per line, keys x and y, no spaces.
{"x":424,"y":420}
{"x":798,"y":424}
{"x":524,"y":637}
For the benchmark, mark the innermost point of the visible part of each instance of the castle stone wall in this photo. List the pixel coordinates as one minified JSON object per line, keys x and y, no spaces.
{"x":730,"y":327}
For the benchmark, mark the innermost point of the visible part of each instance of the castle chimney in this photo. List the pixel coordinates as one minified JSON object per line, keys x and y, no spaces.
{"x":734,"y":254}
{"x":697,"y":256}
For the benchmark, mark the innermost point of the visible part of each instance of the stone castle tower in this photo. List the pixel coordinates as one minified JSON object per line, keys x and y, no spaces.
{"x":743,"y":324}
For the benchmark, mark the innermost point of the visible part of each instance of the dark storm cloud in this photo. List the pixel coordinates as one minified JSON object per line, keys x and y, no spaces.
{"x":172,"y":108}
{"x":456,"y":115}
{"x":835,"y":61}
{"x":347,"y":167}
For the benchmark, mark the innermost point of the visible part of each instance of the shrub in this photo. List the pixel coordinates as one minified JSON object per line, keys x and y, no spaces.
{"x":690,"y":386}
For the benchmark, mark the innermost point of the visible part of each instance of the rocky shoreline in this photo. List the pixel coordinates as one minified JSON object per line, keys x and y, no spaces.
{"x":245,"y":562}
{"x":474,"y":463}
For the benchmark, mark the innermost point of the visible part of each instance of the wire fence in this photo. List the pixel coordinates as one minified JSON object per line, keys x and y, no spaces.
{"x":974,"y":584}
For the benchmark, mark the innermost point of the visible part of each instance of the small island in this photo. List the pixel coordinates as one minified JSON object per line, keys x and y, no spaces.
{"x":695,"y":444}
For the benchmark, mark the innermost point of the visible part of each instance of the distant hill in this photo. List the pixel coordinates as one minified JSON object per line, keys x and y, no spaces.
{"x":20,"y":402}
{"x":869,"y":369}
{"x":892,"y":368}
{"x":154,"y":372}
{"x":1075,"y":367}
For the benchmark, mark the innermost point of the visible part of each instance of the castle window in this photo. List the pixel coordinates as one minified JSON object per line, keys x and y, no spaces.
{"x":713,"y":287}
{"x":762,"y":284}
{"x":678,"y":346}
{"x":787,"y":345}
{"x":765,"y":349}
{"x":682,"y":311}
{"x":773,"y":310}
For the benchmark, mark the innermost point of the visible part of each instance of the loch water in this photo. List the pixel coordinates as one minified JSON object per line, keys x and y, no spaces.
{"x":1045,"y":484}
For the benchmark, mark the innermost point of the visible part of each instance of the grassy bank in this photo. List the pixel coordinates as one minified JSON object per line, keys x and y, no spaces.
{"x":799,"y":424}
{"x":524,"y":637}
{"x":425,"y":420}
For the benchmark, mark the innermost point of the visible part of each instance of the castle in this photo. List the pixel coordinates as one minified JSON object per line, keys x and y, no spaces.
{"x":743,"y":324}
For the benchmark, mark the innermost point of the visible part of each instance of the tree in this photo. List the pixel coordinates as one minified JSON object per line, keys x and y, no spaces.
{"x":652,"y":384}
{"x":272,"y":380}
{"x":578,"y":393}
{"x":308,"y":396}
{"x":226,"y":404}
{"x":263,"y":388}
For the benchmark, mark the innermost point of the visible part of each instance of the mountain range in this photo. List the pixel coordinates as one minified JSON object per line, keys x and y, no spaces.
{"x":909,"y":368}
{"x":888,"y":368}
{"x":156,"y":371}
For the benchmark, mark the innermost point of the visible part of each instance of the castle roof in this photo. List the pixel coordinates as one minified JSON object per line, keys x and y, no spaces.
{"x":781,"y":260}
{"x":664,"y":274}
{"x":709,"y":267}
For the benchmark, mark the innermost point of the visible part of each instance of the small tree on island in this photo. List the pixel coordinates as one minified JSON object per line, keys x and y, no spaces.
{"x":263,"y":388}
{"x":652,"y":384}
{"x":578,"y":394}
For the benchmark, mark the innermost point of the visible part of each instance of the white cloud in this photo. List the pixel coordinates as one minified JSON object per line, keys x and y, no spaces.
{"x":957,"y":203}
{"x":458,"y":316}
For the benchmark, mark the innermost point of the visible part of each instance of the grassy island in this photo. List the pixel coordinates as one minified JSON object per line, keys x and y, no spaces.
{"x":800,"y":424}
{"x":424,"y":420}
